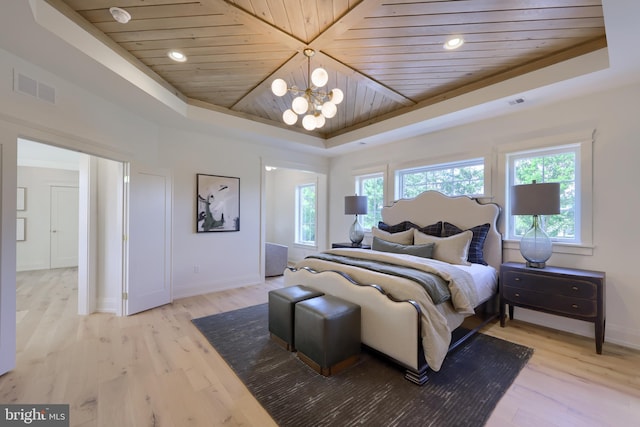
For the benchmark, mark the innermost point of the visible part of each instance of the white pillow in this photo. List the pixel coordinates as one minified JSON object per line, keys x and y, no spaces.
{"x":453,"y":249}
{"x":402,"y":237}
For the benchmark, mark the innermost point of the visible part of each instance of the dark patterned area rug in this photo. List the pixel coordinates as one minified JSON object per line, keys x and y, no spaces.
{"x":373,"y":392}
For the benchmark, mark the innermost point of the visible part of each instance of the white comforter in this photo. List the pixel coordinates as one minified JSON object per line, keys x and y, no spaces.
{"x":437,"y":320}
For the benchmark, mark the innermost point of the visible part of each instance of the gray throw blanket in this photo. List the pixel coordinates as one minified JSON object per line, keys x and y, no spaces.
{"x":435,"y":286}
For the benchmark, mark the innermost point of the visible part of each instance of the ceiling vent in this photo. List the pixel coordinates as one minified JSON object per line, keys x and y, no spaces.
{"x":27,"y":86}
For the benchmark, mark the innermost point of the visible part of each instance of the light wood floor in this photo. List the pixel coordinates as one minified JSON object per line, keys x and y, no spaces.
{"x":156,"y":369}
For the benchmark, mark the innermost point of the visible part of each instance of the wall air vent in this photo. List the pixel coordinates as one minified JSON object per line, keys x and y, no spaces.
{"x":27,"y":86}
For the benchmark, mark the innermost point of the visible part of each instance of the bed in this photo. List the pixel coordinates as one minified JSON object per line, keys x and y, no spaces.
{"x":404,"y":319}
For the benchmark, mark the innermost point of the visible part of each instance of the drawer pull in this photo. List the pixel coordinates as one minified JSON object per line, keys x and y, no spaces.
{"x":575,"y":288}
{"x":517,"y":294}
{"x":574,"y":305}
{"x":517,"y":279}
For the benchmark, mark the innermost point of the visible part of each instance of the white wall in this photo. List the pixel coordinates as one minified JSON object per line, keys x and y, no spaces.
{"x":615,"y":195}
{"x":35,"y":252}
{"x":206,"y":262}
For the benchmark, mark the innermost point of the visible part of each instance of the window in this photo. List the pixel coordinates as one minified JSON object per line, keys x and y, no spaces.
{"x":306,"y":214}
{"x":372,"y":186}
{"x":559,"y":164}
{"x":453,"y":179}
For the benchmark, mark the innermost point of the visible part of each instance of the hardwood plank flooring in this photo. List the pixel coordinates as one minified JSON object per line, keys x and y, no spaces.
{"x":155,"y":368}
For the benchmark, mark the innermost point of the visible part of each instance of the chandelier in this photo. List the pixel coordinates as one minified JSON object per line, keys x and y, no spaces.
{"x":315,"y":104}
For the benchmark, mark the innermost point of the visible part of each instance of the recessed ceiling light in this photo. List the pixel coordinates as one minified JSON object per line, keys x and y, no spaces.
{"x":177,"y":56}
{"x":453,"y":43}
{"x":120,"y":15}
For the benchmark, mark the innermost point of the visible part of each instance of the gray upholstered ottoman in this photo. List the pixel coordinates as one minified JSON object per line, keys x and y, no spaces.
{"x":281,"y":310}
{"x":327,"y":333}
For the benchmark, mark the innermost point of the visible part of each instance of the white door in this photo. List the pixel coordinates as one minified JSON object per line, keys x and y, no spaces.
{"x":149,"y":249}
{"x":64,"y":227}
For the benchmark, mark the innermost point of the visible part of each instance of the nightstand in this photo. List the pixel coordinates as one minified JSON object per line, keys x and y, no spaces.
{"x":568,"y":292}
{"x":349,"y":245}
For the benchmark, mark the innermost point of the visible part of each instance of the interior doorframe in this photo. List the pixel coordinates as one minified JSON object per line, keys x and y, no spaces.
{"x":87,"y":236}
{"x":284,"y":164}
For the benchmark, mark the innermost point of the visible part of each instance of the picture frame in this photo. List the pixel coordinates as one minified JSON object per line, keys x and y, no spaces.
{"x":21,"y":201}
{"x":21,"y":229}
{"x":217,"y":203}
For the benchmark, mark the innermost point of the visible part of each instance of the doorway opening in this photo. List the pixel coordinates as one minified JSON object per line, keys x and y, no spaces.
{"x":73,"y":217}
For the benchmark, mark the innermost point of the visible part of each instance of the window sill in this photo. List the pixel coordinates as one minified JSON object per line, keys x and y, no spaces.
{"x":558,"y":248}
{"x":305,"y":245}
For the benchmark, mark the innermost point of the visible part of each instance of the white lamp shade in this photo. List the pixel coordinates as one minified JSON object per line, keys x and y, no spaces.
{"x":279,"y":87}
{"x":329,"y":109}
{"x":289,"y":117}
{"x":300,"y":105}
{"x":319,"y":77}
{"x":336,"y":96}
{"x":320,"y":120}
{"x":309,"y":122}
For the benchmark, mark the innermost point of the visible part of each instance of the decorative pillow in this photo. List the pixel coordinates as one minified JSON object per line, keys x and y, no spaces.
{"x":476,"y":248}
{"x":402,"y":226}
{"x":433,"y":229}
{"x":402,"y":237}
{"x":424,"y":251}
{"x":453,"y":249}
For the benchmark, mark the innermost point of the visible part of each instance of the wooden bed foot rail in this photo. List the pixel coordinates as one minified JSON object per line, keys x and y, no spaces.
{"x":418,"y":378}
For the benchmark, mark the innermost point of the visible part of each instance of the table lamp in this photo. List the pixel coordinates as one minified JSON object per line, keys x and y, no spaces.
{"x":536,"y":199}
{"x":355,"y":205}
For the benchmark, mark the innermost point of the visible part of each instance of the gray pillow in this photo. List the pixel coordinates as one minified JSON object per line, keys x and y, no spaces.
{"x":423,"y":251}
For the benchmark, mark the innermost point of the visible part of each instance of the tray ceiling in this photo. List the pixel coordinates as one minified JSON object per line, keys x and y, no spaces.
{"x":386,"y":56}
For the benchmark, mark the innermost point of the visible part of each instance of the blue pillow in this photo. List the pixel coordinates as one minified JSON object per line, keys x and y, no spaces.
{"x":433,"y":229}
{"x":423,"y":251}
{"x":476,"y":254}
{"x":396,"y":228}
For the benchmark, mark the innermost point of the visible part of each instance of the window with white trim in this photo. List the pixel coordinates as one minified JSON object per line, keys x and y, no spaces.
{"x":306,"y":214}
{"x":372,"y":186}
{"x":558,"y":164}
{"x":465,"y":178}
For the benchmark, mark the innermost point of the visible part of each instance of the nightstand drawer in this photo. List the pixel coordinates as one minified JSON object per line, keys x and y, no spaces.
{"x":551,"y":285}
{"x":559,"y":304}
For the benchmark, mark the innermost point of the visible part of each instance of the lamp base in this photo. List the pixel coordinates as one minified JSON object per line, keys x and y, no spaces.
{"x":531,"y":264}
{"x":356,"y":233}
{"x":535,"y":246}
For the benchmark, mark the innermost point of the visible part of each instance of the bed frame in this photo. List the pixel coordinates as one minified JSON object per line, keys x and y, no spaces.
{"x":392,"y":327}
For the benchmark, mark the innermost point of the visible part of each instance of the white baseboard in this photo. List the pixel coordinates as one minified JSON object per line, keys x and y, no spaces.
{"x":207,"y":287}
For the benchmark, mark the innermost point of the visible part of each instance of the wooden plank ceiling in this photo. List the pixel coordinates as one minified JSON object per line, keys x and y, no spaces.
{"x":386,"y":56}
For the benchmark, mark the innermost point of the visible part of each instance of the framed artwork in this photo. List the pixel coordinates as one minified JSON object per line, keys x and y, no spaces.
{"x":21,"y":231}
{"x":217,"y":203}
{"x":21,"y":202}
